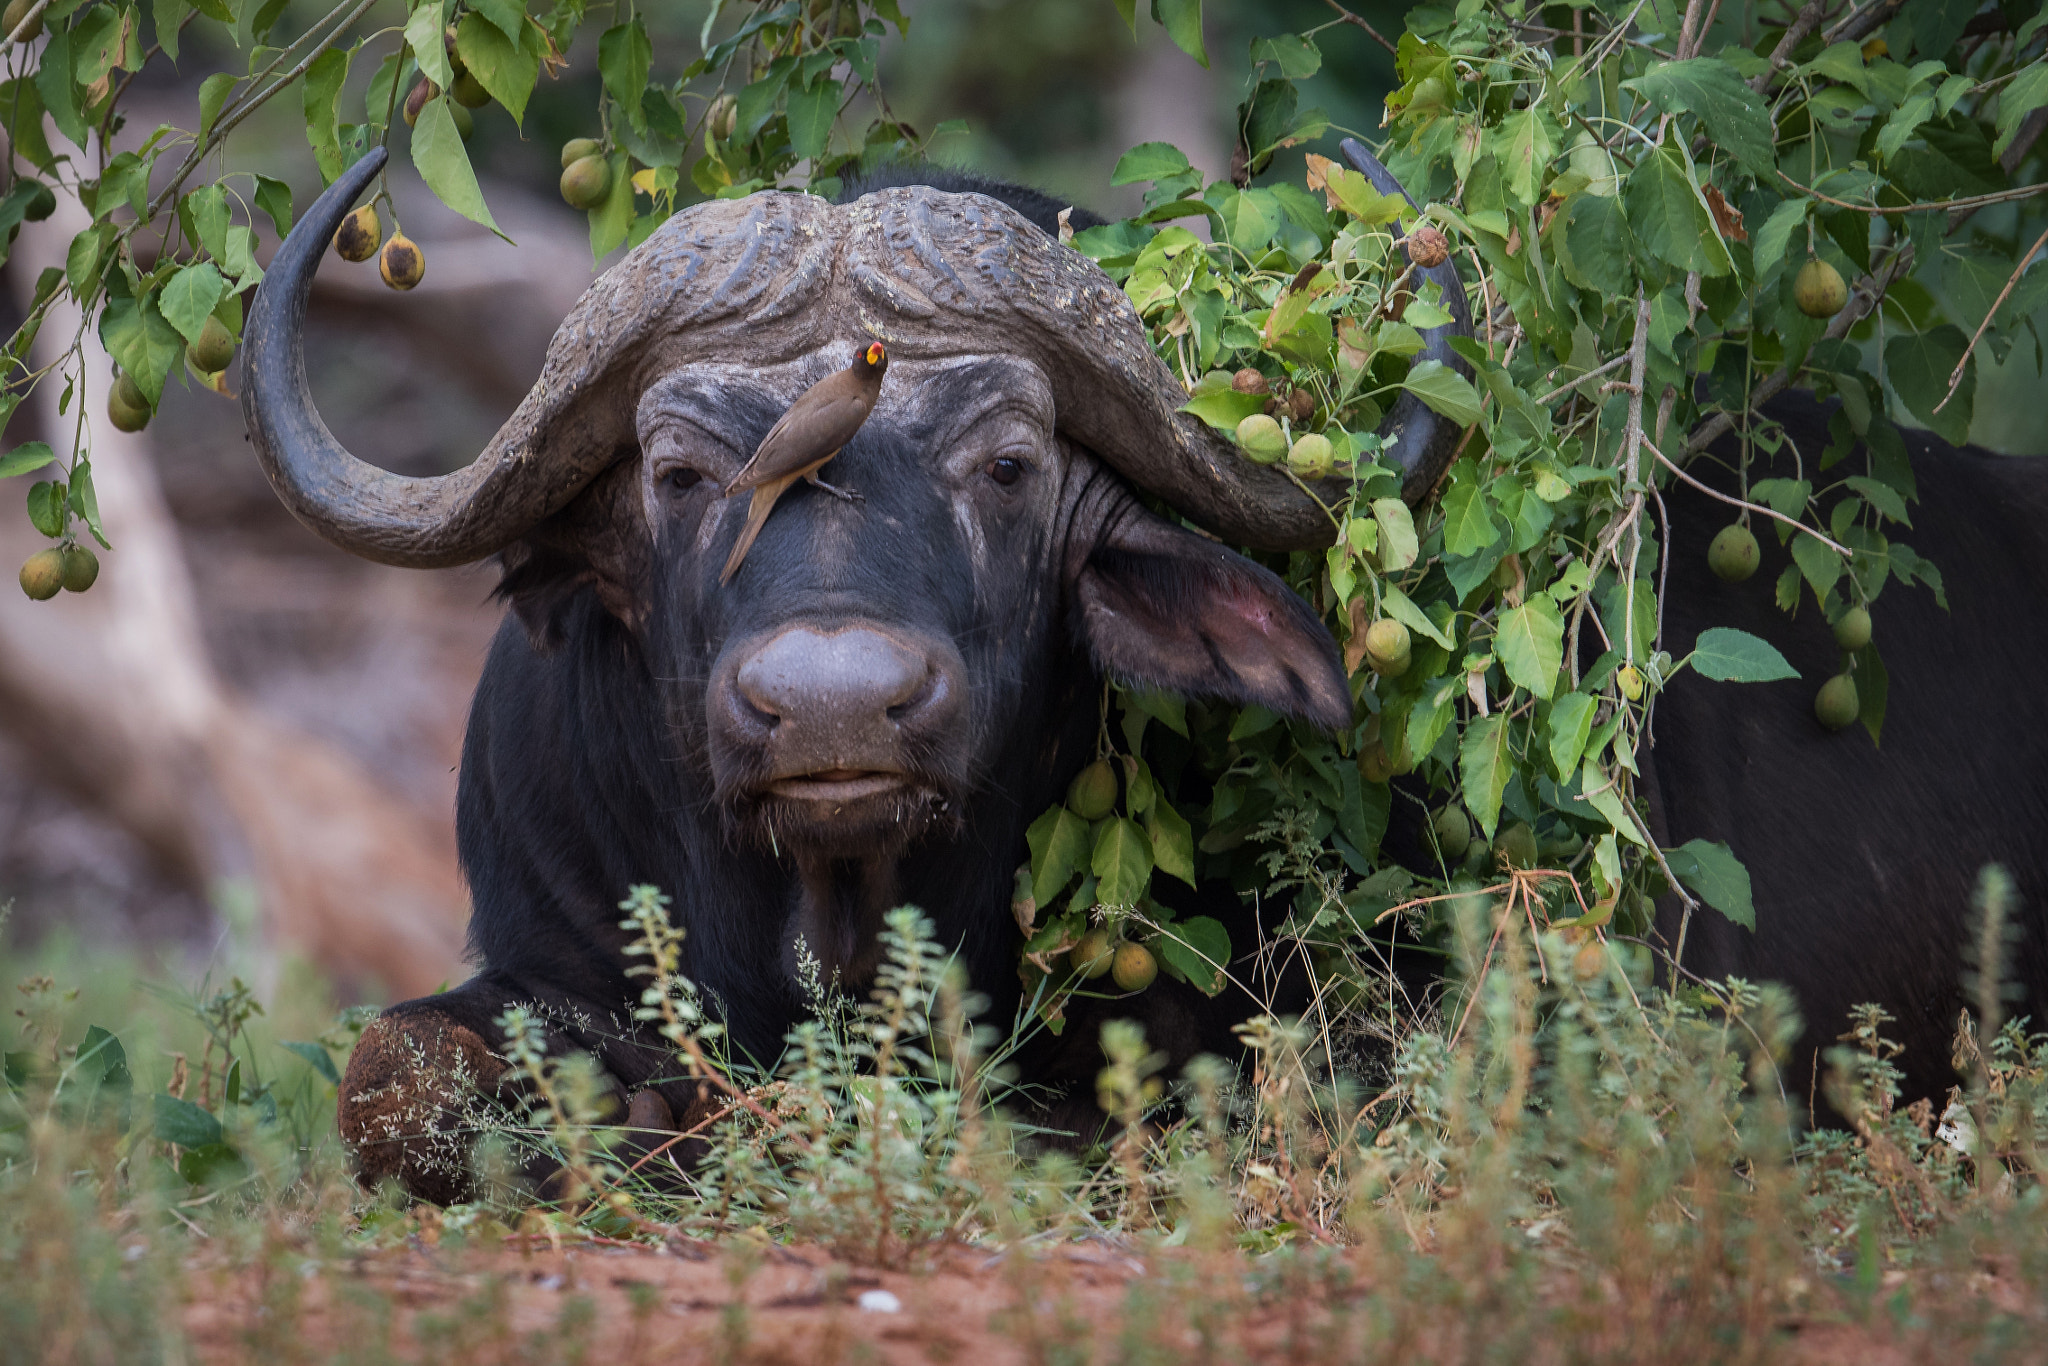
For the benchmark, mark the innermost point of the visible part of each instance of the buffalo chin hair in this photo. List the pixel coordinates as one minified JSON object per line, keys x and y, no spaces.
{"x":876,"y":827}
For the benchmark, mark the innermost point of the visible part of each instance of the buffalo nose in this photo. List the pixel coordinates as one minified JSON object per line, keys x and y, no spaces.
{"x":846,"y":681}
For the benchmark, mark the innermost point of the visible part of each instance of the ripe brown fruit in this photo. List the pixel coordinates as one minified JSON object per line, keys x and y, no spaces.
{"x":214,"y":349}
{"x":81,"y":568}
{"x":575,"y":149}
{"x":1092,"y":956}
{"x":1516,"y":844}
{"x":1133,"y":968}
{"x":1733,"y":555}
{"x":468,"y":91}
{"x":1852,"y":632}
{"x":42,"y":574}
{"x":1301,"y":405}
{"x":17,"y":10}
{"x":359,"y":235}
{"x":416,"y":100}
{"x":586,"y":182}
{"x":1249,"y":381}
{"x":127,"y":408}
{"x":1818,"y":289}
{"x":401,"y":263}
{"x":1388,"y":647}
{"x":1453,"y":833}
{"x":1836,"y":704}
{"x":1427,"y":246}
{"x":1092,"y":794}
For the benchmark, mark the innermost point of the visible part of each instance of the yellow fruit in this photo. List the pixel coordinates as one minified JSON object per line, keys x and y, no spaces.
{"x":1310,"y":456}
{"x":1388,"y":647}
{"x":1133,"y":968}
{"x":1092,"y":794}
{"x":575,"y":149}
{"x":1733,"y":556}
{"x":400,"y":263}
{"x":1092,"y":956}
{"x":1818,"y":289}
{"x":585,"y":183}
{"x":1262,"y":439}
{"x":416,"y":100}
{"x":1630,"y":682}
{"x":127,"y":409}
{"x":1516,"y":844}
{"x":81,"y":568}
{"x":16,"y":11}
{"x":1453,"y":833}
{"x":723,"y":117}
{"x":214,"y":349}
{"x":1836,"y":705}
{"x":42,"y":574}
{"x":359,"y":235}
{"x":1852,"y":632}
{"x":469,"y":92}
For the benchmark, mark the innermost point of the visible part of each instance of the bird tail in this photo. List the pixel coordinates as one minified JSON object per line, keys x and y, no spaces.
{"x":757,"y":517}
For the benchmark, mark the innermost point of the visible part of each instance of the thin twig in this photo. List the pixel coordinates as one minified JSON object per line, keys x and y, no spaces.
{"x":1732,"y":501}
{"x":1346,"y":16}
{"x":1561,"y":390}
{"x":1976,"y":201}
{"x":1956,"y":377}
{"x":1804,"y":23}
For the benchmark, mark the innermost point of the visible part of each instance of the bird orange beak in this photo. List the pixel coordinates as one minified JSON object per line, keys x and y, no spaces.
{"x":874,"y":353}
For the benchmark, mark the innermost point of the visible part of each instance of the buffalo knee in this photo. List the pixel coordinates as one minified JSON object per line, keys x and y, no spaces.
{"x":408,"y":1101}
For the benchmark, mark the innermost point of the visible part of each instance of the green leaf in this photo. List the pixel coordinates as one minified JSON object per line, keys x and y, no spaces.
{"x":185,"y":1124}
{"x":443,"y":163}
{"x":624,"y":57}
{"x":1571,"y":721}
{"x":1122,"y":863}
{"x":274,"y":198}
{"x":1531,"y":146}
{"x":1602,"y":795}
{"x":1182,"y":20}
{"x":812,"y":111}
{"x":1128,"y":11}
{"x":1398,"y":543}
{"x":215,"y":89}
{"x":1397,"y":605}
{"x":190,"y":298}
{"x":28,"y":456}
{"x":1199,"y":947}
{"x":613,"y":219}
{"x":168,"y":17}
{"x":318,"y":1057}
{"x":1444,"y":390}
{"x":424,"y":35}
{"x":1295,"y":54}
{"x":1059,"y":842}
{"x":505,"y":65}
{"x":21,"y":112}
{"x":82,"y":260}
{"x":1771,"y":244}
{"x":1711,"y":870}
{"x":1224,"y":408}
{"x":324,"y":79}
{"x":1919,"y":364}
{"x":1529,"y":642}
{"x":206,"y":208}
{"x":1173,"y":844}
{"x":46,"y":507}
{"x":1736,"y":121}
{"x":54,"y":83}
{"x":1731,"y":656}
{"x":1468,"y":526}
{"x":1668,"y":217}
{"x":1821,"y":566}
{"x":1484,"y":767}
{"x":507,"y":16}
{"x":141,"y":341}
{"x":85,"y":501}
{"x":1149,"y":161}
{"x":2027,"y":92}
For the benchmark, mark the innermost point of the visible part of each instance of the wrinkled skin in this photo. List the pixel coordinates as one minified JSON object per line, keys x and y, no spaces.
{"x":868,"y":715}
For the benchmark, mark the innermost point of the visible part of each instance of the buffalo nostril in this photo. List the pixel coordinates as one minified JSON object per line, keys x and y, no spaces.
{"x":846,"y":676}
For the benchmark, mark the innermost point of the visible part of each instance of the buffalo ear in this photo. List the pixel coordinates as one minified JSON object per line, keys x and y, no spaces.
{"x":1164,"y":608}
{"x":600,"y":539}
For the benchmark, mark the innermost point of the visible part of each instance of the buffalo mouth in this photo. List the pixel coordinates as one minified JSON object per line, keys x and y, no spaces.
{"x":840,"y":786}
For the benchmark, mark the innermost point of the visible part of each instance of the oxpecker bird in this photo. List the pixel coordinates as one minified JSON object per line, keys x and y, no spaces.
{"x":821,"y":421}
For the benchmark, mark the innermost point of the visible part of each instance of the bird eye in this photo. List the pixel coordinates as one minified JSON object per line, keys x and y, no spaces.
{"x":682,"y":479}
{"x":1005,"y":471}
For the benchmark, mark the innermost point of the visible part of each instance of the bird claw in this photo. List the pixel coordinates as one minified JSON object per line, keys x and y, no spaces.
{"x":844,"y":495}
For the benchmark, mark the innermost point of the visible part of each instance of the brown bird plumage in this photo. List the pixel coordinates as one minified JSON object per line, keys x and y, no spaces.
{"x":821,"y":421}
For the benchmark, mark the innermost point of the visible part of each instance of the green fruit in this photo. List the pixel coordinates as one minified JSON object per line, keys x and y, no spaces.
{"x":17,"y":10}
{"x":1092,"y":956}
{"x":469,"y":92}
{"x":1453,"y":833}
{"x":1818,"y":289}
{"x":359,"y":235}
{"x":1262,"y":439}
{"x":1388,"y":648}
{"x":1516,"y":845}
{"x":575,"y":149}
{"x":214,"y":349}
{"x":127,"y":409}
{"x":1310,"y":456}
{"x":400,"y":263}
{"x":1836,"y":704}
{"x":42,"y":574}
{"x":1092,"y":794}
{"x":723,"y":116}
{"x":1375,"y":765}
{"x":1133,"y":968}
{"x":586,"y":182}
{"x":1630,"y":682}
{"x":465,"y":122}
{"x":1852,"y":632}
{"x":81,"y":568}
{"x":1733,"y":556}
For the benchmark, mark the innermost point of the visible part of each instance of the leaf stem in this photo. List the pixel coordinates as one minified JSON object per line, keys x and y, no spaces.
{"x":1956,"y":376}
{"x":1746,"y":505}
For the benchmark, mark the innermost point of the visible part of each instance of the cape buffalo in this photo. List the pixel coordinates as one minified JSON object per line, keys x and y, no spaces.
{"x":887,"y":693}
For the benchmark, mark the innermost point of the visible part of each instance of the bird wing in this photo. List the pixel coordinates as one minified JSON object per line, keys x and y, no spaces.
{"x":837,"y":418}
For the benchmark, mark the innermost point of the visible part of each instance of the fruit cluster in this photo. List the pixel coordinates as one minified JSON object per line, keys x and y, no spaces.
{"x":1733,"y":555}
{"x":1104,"y":949}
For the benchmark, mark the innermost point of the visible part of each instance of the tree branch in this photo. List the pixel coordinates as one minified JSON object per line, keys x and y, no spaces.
{"x":1956,"y":377}
{"x":1975,"y":201}
{"x":1346,"y":16}
{"x":1803,"y":23}
{"x":1732,"y":501}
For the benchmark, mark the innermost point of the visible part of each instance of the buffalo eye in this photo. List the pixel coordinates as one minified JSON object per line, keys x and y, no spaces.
{"x":683,"y":479}
{"x":1005,"y":471}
